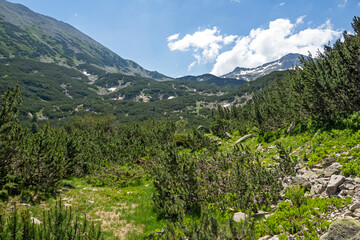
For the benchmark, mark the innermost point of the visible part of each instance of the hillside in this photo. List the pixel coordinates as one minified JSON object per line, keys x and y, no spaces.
{"x":27,"y":34}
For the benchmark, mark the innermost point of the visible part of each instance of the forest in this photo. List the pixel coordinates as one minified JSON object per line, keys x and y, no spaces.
{"x":192,"y":181}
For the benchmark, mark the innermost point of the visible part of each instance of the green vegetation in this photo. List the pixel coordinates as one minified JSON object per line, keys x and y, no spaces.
{"x":158,"y":179}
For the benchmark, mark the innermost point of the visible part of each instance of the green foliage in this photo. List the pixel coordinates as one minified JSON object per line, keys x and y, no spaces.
{"x":296,"y":194}
{"x":116,"y":176}
{"x":294,"y":218}
{"x":236,"y":180}
{"x":57,"y":223}
{"x":177,"y":185}
{"x":319,"y":93}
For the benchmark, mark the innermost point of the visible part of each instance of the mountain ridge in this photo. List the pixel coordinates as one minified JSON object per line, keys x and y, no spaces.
{"x":286,"y":62}
{"x":66,"y":41}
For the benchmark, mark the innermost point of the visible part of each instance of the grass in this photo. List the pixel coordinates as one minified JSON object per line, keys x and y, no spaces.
{"x":124,"y":213}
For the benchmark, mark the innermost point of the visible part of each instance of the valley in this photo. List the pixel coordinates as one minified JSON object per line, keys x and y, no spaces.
{"x":94,"y":146}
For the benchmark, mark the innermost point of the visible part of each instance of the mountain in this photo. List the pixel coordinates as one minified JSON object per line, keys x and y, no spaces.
{"x":286,"y":62}
{"x":26,"y":34}
{"x":63,"y":73}
{"x":213,"y":80}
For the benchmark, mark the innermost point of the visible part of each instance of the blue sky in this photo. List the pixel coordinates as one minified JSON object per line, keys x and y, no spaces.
{"x":183,"y":37}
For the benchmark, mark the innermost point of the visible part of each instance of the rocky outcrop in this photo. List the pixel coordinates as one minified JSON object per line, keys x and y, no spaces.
{"x":343,"y":229}
{"x":240,"y":216}
{"x":334,"y":183}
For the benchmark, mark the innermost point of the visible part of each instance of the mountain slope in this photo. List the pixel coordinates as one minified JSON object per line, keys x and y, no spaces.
{"x":44,"y":38}
{"x":286,"y":62}
{"x":213,"y":80}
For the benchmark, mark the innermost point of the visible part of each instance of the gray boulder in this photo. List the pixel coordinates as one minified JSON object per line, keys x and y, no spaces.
{"x":240,"y":216}
{"x":332,"y":169}
{"x":343,"y":229}
{"x":334,"y":183}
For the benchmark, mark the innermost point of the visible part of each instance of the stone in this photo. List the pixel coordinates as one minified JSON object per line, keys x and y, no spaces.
{"x":35,"y":220}
{"x":347,"y":213}
{"x":347,"y":186}
{"x":317,"y":188}
{"x":274,"y":238}
{"x":332,"y":169}
{"x":355,"y":206}
{"x":261,"y":213}
{"x":342,"y":229}
{"x":309,"y":175}
{"x":357,"y":212}
{"x":240,"y":216}
{"x":334,"y":183}
{"x":291,"y":127}
{"x":243,"y":138}
{"x":265,"y":237}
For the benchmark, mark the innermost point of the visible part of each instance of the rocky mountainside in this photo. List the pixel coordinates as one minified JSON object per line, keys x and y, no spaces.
{"x":286,"y":62}
{"x":24,"y":33}
{"x":214,"y":80}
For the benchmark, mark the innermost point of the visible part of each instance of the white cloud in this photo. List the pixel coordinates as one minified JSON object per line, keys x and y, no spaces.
{"x":280,"y":38}
{"x":282,"y":4}
{"x":342,"y":4}
{"x":205,"y":44}
{"x":358,"y":4}
{"x":300,"y":20}
{"x":76,"y":14}
{"x":191,"y":66}
{"x":173,"y":37}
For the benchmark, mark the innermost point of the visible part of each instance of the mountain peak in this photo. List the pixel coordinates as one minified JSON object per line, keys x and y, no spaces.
{"x":32,"y":35}
{"x":286,"y":62}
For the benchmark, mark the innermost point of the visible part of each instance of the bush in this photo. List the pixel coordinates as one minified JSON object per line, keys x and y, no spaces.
{"x":58,"y":223}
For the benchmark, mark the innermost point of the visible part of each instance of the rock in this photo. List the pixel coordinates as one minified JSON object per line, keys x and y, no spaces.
{"x":243,"y":138}
{"x":355,"y":206}
{"x":240,"y":216}
{"x":35,"y":220}
{"x":332,"y":169}
{"x":347,"y":186}
{"x":341,"y":229}
{"x":291,"y":127}
{"x":203,"y":128}
{"x":317,"y":188}
{"x":347,"y":213}
{"x":272,"y":147}
{"x":309,"y":175}
{"x":274,"y":238}
{"x":261,"y":213}
{"x":357,"y":212}
{"x":265,"y":237}
{"x":334,"y":183}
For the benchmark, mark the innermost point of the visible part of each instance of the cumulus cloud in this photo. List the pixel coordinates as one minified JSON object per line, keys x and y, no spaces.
{"x":268,"y":44}
{"x":260,"y":46}
{"x":342,"y":4}
{"x":205,"y":44}
{"x":173,"y":37}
